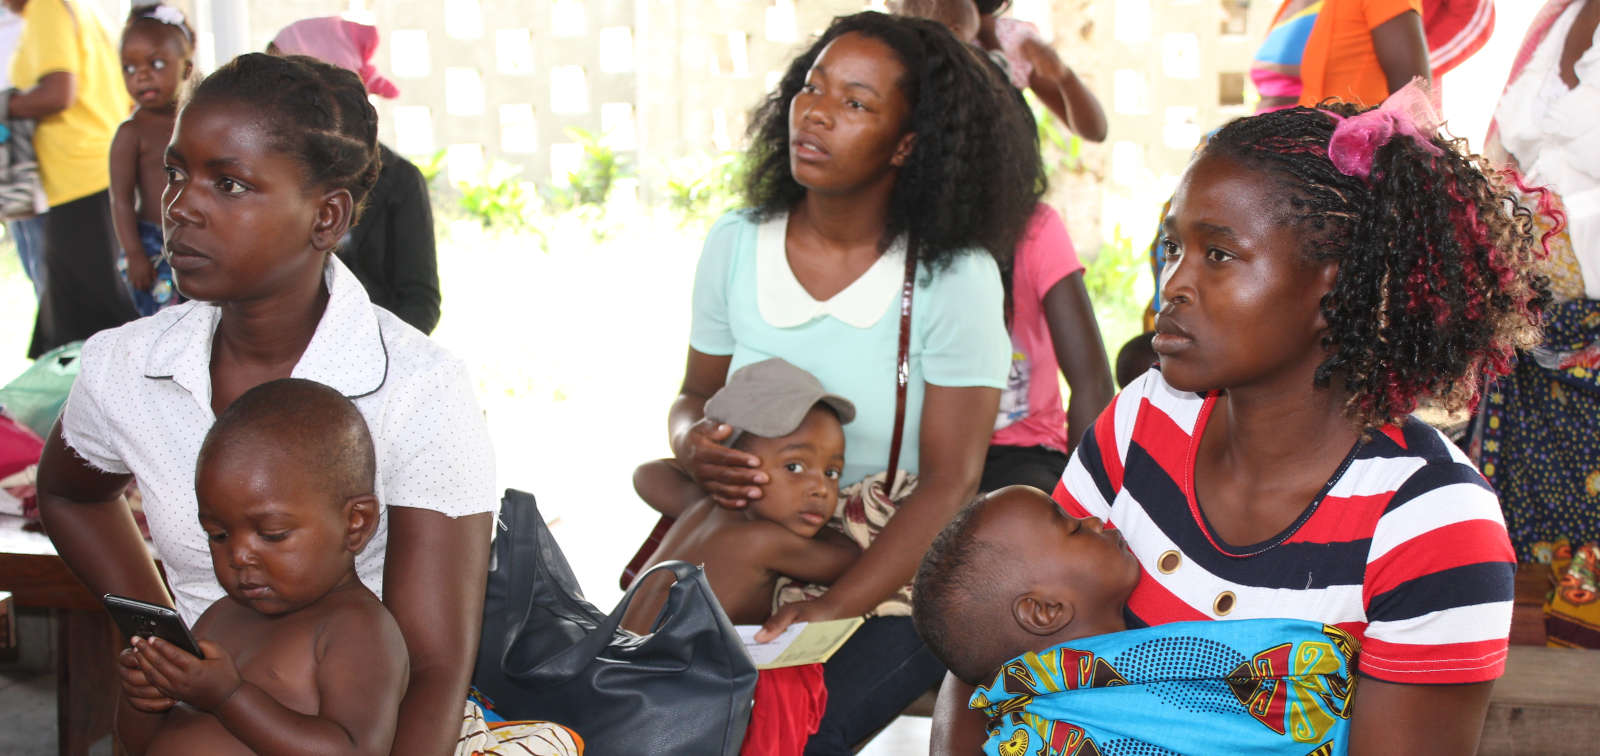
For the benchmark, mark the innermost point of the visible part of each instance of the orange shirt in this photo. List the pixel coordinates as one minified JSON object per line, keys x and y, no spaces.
{"x":1340,"y":60}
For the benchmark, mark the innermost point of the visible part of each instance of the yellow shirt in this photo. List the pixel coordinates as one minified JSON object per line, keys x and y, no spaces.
{"x":74,"y":145}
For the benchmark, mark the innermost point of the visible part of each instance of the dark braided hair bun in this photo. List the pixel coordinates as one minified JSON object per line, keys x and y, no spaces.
{"x":974,"y":172}
{"x":1436,"y":286}
{"x":317,"y":112}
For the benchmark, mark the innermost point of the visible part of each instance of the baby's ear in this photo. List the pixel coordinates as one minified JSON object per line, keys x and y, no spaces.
{"x":361,"y":521}
{"x":1040,"y":614}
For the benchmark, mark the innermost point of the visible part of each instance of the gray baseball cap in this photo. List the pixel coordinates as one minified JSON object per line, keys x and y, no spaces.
{"x":770,"y":398}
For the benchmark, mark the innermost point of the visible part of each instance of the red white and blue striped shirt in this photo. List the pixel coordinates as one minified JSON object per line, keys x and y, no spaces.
{"x":1405,"y":547}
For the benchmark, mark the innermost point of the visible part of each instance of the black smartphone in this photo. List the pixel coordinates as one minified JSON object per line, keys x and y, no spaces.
{"x":138,"y":618}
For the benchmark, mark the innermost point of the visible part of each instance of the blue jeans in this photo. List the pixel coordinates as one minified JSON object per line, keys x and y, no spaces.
{"x":162,"y":292}
{"x":871,"y":679}
{"x":28,"y":234}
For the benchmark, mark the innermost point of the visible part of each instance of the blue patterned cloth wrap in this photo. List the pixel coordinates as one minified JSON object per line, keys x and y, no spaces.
{"x":163,"y":293}
{"x":1260,"y":686}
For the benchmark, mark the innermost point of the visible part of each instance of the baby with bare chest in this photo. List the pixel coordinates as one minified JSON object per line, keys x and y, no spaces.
{"x":300,"y":656}
{"x":784,"y":417}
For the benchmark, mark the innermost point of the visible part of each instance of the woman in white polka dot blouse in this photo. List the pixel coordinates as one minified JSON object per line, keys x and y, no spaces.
{"x":268,"y":166}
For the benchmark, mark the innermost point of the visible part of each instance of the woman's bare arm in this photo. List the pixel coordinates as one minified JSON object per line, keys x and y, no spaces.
{"x":1402,"y":50}
{"x":1389,"y":719}
{"x":1060,"y":89}
{"x":728,"y":476}
{"x":433,"y":579}
{"x":1075,"y":335}
{"x":54,"y":93}
{"x":957,"y":729}
{"x":89,"y":522}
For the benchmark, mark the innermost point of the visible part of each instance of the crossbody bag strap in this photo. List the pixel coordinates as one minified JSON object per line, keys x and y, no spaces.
{"x":902,"y":373}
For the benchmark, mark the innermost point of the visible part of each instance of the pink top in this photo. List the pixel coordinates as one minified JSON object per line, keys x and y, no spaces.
{"x":1031,"y":413}
{"x":346,"y":44}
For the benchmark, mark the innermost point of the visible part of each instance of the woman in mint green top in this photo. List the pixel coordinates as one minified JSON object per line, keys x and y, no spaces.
{"x":886,"y":135}
{"x":749,"y":306}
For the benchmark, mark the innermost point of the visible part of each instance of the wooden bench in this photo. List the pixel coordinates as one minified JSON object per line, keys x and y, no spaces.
{"x":1547,"y":704}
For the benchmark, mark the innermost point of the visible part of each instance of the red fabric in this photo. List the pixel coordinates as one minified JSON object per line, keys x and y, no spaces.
{"x":19,"y":447}
{"x":788,"y":708}
{"x":1455,"y":29}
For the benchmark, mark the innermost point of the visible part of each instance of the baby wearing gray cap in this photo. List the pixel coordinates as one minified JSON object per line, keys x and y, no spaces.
{"x":782,"y":415}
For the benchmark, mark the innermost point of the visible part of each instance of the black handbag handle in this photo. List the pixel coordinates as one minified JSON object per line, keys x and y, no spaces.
{"x":603,"y":635}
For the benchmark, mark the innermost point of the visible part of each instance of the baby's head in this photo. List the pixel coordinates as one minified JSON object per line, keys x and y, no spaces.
{"x":782,"y":415}
{"x":285,"y":485}
{"x":1013,"y":573}
{"x":157,"y":55}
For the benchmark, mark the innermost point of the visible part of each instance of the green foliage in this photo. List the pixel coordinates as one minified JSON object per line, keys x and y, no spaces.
{"x":495,"y":202}
{"x":431,"y":167}
{"x":699,"y":187}
{"x":1060,"y":149}
{"x":591,"y":184}
{"x":1119,"y":282}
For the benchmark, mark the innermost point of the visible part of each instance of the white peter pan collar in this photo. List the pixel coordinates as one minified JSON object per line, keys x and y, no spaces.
{"x":784,"y":303}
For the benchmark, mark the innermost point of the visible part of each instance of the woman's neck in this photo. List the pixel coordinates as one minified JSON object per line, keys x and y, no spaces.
{"x":1263,"y":431}
{"x":842,"y":221}
{"x":1263,"y":456}
{"x":272,"y":331}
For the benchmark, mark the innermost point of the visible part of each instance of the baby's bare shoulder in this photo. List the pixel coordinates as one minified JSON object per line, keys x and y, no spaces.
{"x":358,"y":615}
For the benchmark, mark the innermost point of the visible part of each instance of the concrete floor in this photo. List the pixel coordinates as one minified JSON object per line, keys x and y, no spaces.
{"x":28,"y":693}
{"x":28,"y":705}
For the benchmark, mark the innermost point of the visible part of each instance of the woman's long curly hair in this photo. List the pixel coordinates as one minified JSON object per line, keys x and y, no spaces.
{"x":974,"y":173}
{"x":1436,"y":286}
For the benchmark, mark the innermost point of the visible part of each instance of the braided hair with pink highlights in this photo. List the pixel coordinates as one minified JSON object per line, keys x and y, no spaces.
{"x":1436,"y":287}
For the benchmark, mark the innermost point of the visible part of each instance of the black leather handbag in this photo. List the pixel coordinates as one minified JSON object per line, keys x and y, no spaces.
{"x":547,"y":653}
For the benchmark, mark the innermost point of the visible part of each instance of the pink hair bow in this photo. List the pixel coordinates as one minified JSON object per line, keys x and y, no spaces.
{"x":1408,"y":112}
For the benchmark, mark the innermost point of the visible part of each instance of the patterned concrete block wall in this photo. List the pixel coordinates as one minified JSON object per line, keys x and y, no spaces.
{"x":502,"y":80}
{"x":1166,"y":71}
{"x":708,"y":65}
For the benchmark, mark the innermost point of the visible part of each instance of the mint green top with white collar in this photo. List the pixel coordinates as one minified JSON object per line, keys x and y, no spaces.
{"x":749,"y":305}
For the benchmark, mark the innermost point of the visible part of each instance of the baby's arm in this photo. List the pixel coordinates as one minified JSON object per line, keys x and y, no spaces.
{"x":821,"y":559}
{"x":664,"y":486}
{"x":141,"y":709}
{"x":362,"y":671}
{"x":124,"y":217}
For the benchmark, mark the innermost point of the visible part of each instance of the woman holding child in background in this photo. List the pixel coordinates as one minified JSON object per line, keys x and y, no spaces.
{"x":268,"y":167}
{"x":1328,"y":269}
{"x":887,"y":138}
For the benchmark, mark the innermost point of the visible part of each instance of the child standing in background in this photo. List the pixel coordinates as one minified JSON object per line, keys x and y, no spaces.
{"x":157,"y":58}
